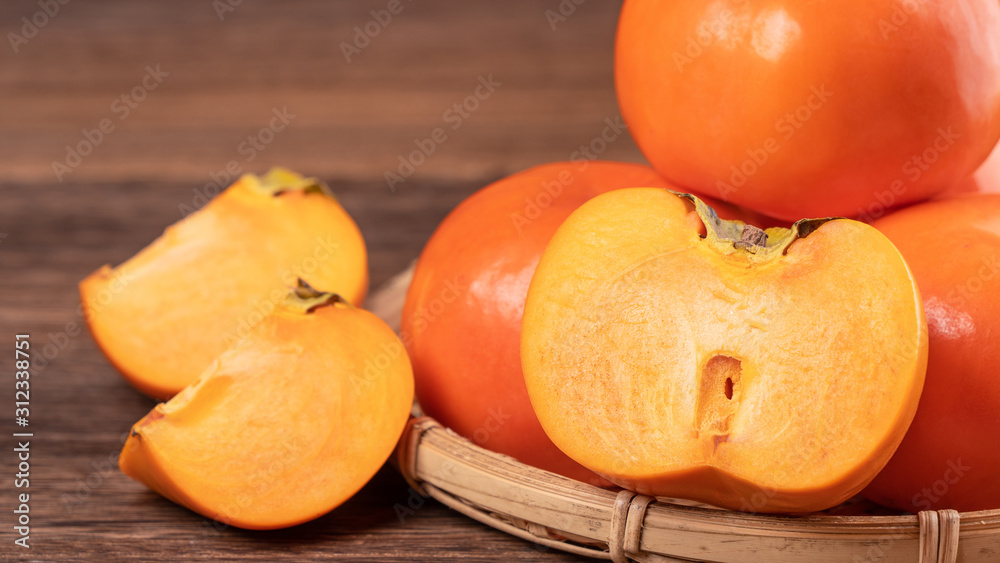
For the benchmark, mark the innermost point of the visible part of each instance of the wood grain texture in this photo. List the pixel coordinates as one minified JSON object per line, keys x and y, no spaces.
{"x":352,"y":119}
{"x":352,"y":122}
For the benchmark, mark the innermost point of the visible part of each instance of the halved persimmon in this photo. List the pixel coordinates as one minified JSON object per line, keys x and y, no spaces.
{"x":284,"y":426}
{"x":162,"y":316}
{"x":681,"y":355}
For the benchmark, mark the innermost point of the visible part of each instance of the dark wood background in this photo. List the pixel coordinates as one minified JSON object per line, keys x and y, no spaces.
{"x":352,"y":122}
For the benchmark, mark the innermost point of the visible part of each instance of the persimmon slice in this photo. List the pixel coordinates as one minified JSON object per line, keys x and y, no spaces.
{"x":677,"y":354}
{"x":162,"y":316}
{"x":284,"y":426}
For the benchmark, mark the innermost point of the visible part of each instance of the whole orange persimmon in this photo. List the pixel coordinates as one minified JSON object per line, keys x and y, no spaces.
{"x":950,"y":457}
{"x":462,"y":317}
{"x":801,"y":108}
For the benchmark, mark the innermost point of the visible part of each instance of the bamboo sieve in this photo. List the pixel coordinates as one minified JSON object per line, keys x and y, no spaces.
{"x":619,"y":526}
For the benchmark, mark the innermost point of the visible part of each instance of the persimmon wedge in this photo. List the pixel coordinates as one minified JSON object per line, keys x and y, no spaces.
{"x":681,"y":355}
{"x":162,"y":316}
{"x":284,"y":426}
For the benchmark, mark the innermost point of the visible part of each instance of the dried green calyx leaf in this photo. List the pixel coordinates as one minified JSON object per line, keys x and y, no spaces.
{"x":760,"y":245}
{"x":306,"y":299}
{"x":279,"y":180}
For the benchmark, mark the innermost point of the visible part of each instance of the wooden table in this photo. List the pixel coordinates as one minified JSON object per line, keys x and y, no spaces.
{"x":217,"y":73}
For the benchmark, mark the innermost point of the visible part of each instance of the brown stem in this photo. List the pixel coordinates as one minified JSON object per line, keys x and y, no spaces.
{"x":751,"y":238}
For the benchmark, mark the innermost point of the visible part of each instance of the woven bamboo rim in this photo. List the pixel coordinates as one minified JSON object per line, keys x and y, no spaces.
{"x":560,"y":513}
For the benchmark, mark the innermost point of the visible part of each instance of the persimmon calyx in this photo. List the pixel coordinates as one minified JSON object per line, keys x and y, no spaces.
{"x":758,"y":245}
{"x":305,"y":299}
{"x":280,"y":180}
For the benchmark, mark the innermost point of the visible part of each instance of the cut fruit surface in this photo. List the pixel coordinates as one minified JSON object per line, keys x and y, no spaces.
{"x":677,"y":354}
{"x":162,"y":316}
{"x":284,"y":426}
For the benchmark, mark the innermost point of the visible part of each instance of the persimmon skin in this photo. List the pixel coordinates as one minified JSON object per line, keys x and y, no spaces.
{"x":462,"y":317}
{"x":824,"y":105}
{"x":985,"y":180}
{"x":950,"y":457}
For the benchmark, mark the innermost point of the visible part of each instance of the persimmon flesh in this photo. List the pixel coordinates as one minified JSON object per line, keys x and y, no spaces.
{"x":284,"y":426}
{"x":681,"y":355}
{"x":163,"y":315}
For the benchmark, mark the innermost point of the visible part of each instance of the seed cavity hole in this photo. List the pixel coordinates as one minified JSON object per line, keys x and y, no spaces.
{"x":723,"y":372}
{"x":719,"y":394}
